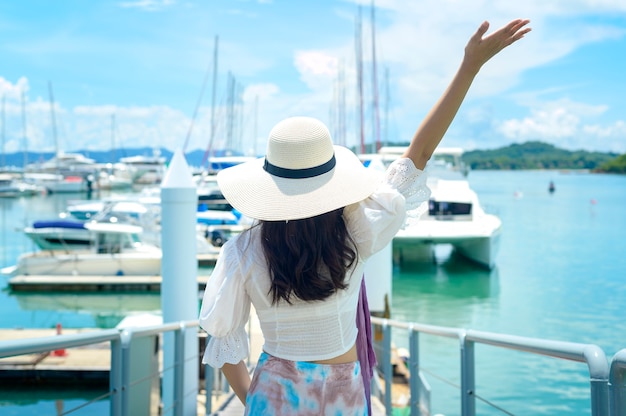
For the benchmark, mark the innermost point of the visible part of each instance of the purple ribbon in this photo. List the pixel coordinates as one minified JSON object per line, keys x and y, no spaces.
{"x":364,"y":346}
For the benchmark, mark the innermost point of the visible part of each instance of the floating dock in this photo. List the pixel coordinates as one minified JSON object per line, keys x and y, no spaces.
{"x":35,"y":283}
{"x":84,"y":365}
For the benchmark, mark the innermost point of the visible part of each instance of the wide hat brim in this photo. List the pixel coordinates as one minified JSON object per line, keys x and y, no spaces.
{"x":260,"y":195}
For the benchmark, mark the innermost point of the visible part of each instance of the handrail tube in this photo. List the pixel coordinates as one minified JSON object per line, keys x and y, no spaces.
{"x":23,"y":346}
{"x":560,"y":349}
{"x":413,"y":326}
{"x":139,"y":332}
{"x":617,"y":384}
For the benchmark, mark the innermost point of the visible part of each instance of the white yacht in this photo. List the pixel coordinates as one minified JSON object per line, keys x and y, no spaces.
{"x":147,"y":169}
{"x":11,"y":185}
{"x":454,"y":216}
{"x":114,"y":249}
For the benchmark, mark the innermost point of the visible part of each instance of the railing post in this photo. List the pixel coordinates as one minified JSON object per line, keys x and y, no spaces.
{"x":599,"y":379}
{"x":468,"y":398}
{"x":414,"y":370}
{"x":617,"y":384}
{"x":115,"y":378}
{"x":179,"y":369}
{"x":387,"y":371}
{"x":126,"y":339}
{"x":209,"y":382}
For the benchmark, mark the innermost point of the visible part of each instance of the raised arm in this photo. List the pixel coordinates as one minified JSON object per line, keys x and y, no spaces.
{"x":479,"y":50}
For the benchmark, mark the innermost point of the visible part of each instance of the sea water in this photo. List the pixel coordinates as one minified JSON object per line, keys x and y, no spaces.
{"x":559,"y":275}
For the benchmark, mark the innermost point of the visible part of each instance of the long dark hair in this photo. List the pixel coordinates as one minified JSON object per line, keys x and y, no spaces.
{"x":308,"y":258}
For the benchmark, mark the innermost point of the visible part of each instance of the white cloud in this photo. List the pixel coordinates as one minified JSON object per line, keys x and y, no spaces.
{"x":147,"y":5}
{"x":317,"y":68}
{"x":566,"y":124}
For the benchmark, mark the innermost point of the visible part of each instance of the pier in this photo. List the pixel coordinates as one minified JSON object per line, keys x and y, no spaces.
{"x":28,"y":283}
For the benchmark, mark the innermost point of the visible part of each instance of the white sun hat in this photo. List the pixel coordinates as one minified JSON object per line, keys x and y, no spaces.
{"x":302,"y":175}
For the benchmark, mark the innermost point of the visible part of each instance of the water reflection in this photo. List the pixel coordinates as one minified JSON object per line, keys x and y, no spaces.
{"x":453,"y":293}
{"x":107,"y":309}
{"x":455,"y":278}
{"x":44,"y":401}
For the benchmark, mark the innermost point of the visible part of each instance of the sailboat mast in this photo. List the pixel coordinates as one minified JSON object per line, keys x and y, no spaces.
{"x":359,"y":72}
{"x":54,"y":126}
{"x":342,"y":104}
{"x":256,"y":123}
{"x":386,"y":135}
{"x":113,"y":138}
{"x":24,"y":132}
{"x":209,"y":148}
{"x":376,"y":121}
{"x":3,"y":130}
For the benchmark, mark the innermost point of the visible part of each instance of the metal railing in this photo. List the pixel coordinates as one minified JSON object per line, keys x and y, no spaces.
{"x":607,"y":386}
{"x":121,"y":378}
{"x":602,"y":391}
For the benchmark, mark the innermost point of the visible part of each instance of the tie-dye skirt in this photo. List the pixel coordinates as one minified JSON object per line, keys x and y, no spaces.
{"x":282,"y":387}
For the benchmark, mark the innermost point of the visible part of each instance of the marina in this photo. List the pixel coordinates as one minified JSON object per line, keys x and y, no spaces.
{"x":558,"y":276}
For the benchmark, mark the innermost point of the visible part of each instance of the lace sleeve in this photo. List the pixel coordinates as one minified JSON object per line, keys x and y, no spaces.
{"x":229,"y":349}
{"x":411,"y":183}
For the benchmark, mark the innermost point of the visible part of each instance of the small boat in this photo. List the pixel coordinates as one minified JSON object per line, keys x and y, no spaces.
{"x":12,"y":186}
{"x":86,"y":225}
{"x":117,"y":249}
{"x":61,"y":234}
{"x":147,"y":169}
{"x":454,"y":216}
{"x":61,"y":183}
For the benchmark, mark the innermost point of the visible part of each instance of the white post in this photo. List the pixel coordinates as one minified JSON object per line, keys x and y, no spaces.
{"x":378,"y":279}
{"x":179,"y":270}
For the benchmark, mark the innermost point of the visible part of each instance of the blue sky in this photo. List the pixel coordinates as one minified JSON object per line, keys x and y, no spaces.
{"x":133,"y":73}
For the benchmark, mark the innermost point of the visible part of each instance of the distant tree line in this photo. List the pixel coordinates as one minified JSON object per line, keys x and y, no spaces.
{"x":617,"y":165}
{"x":529,"y":155}
{"x":539,"y":155}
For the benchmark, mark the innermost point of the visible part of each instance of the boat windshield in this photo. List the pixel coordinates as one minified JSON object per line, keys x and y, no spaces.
{"x":449,"y":210}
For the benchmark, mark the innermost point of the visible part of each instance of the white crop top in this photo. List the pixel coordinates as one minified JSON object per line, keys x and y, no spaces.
{"x":303,"y":331}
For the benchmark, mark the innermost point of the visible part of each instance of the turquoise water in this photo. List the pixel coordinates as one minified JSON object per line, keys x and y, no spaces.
{"x":560,"y":275}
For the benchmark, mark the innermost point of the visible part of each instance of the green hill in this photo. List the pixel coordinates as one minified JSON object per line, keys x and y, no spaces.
{"x":617,"y":165}
{"x":536,"y":155}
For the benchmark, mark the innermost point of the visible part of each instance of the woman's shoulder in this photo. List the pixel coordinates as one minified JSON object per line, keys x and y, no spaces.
{"x":244,"y":245}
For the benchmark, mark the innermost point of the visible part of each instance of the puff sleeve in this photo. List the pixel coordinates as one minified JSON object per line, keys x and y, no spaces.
{"x":374,"y":222}
{"x":225,"y":310}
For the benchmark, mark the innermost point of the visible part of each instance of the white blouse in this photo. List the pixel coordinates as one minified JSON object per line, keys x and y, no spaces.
{"x":302,"y":330}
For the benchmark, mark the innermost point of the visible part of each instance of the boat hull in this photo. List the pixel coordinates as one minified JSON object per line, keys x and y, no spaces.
{"x":477,"y":241}
{"x":89,"y":264}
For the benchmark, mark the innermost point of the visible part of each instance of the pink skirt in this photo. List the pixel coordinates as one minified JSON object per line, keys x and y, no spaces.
{"x":282,"y":387}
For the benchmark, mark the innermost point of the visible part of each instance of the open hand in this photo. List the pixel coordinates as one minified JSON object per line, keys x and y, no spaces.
{"x":480,"y":49}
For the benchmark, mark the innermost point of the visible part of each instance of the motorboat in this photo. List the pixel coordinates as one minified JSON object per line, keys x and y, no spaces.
{"x":454,"y":216}
{"x":61,"y":183}
{"x":12,"y":186}
{"x":86,"y":226}
{"x":61,"y":234}
{"x":115,"y":250}
{"x":147,"y":169}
